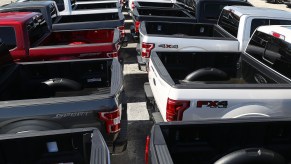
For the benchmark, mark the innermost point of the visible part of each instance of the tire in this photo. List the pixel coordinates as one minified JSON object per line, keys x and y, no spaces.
{"x":29,"y":126}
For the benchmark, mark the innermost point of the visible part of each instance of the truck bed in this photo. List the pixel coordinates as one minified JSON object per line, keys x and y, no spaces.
{"x":183,"y":29}
{"x":204,"y":142}
{"x":78,"y":37}
{"x":181,"y":64}
{"x":79,"y":146}
{"x":56,"y":79}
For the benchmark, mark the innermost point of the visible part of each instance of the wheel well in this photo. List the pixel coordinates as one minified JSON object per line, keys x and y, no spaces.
{"x":29,"y":125}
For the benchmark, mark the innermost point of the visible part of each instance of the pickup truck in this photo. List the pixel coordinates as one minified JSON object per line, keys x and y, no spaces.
{"x":208,"y":11}
{"x":70,"y":22}
{"x":29,"y":39}
{"x":70,"y":7}
{"x":224,"y":141}
{"x":158,"y":14}
{"x":82,"y":145}
{"x":65,"y":94}
{"x":232,"y":32}
{"x":201,"y":85}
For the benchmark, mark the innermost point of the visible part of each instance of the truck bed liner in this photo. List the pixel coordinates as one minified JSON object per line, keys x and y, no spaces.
{"x":57,"y":79}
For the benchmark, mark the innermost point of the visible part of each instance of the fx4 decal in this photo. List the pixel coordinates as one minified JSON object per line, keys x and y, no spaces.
{"x":212,"y":104}
{"x":168,"y":46}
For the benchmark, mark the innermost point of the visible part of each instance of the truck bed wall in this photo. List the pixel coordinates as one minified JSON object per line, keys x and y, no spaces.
{"x":95,"y":6}
{"x":79,"y":37}
{"x":166,"y":13}
{"x":155,"y":4}
{"x":31,"y":81}
{"x":207,"y":142}
{"x":179,"y":67}
{"x":201,"y":30}
{"x":88,"y":17}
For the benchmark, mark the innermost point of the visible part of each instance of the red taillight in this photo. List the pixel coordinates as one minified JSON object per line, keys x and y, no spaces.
{"x":147,"y":148}
{"x":146,"y":49}
{"x":277,"y":35}
{"x":136,"y":26}
{"x":112,"y":120}
{"x":175,"y":109}
{"x":122,"y":31}
{"x":112,"y":54}
{"x":132,"y":5}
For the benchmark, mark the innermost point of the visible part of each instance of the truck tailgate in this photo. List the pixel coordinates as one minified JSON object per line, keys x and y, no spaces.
{"x":70,"y":112}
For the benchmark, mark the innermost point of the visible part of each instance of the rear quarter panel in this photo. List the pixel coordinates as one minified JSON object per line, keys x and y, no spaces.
{"x":241,"y":102}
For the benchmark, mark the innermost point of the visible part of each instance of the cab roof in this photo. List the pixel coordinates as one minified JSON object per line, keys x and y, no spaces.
{"x":16,"y":16}
{"x":282,"y":30}
{"x":258,"y":11}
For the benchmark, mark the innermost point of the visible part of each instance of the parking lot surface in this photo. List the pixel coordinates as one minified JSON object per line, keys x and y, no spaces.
{"x":139,"y":124}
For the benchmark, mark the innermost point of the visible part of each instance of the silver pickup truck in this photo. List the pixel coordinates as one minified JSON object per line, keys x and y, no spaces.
{"x":186,"y":86}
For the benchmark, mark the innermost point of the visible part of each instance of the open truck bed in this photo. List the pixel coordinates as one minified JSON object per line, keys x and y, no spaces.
{"x":65,"y":94}
{"x":255,"y":140}
{"x":213,"y":85}
{"x":78,"y":146}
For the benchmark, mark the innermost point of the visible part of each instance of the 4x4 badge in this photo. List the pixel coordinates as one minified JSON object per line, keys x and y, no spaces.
{"x":168,"y":46}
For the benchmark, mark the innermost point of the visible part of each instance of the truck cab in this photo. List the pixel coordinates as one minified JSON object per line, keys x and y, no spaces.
{"x":269,"y":47}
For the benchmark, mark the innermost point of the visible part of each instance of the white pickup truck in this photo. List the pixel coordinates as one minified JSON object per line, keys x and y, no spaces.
{"x":71,"y":7}
{"x":201,"y":85}
{"x":231,"y":33}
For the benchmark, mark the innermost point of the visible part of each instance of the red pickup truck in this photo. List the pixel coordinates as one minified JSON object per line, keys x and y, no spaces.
{"x":29,"y":39}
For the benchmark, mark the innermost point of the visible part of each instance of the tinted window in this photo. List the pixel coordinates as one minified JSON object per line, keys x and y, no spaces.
{"x":7,"y":35}
{"x":271,"y":51}
{"x":260,"y":22}
{"x":257,"y":45}
{"x":36,"y":28}
{"x":212,"y":11}
{"x":53,"y":13}
{"x":229,"y":22}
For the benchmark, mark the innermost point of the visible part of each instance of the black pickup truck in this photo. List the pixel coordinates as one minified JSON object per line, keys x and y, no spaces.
{"x":63,"y":94}
{"x":158,"y":14}
{"x":70,"y":22}
{"x":78,"y":146}
{"x":208,"y":11}
{"x":224,"y":141}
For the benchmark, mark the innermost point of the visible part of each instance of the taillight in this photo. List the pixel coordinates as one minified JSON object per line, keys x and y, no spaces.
{"x":136,"y":26}
{"x":112,"y":54}
{"x":112,"y":120}
{"x":122,"y":31}
{"x":277,"y":35}
{"x":147,"y":149}
{"x":132,"y":5}
{"x":146,"y":49}
{"x":175,"y":109}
